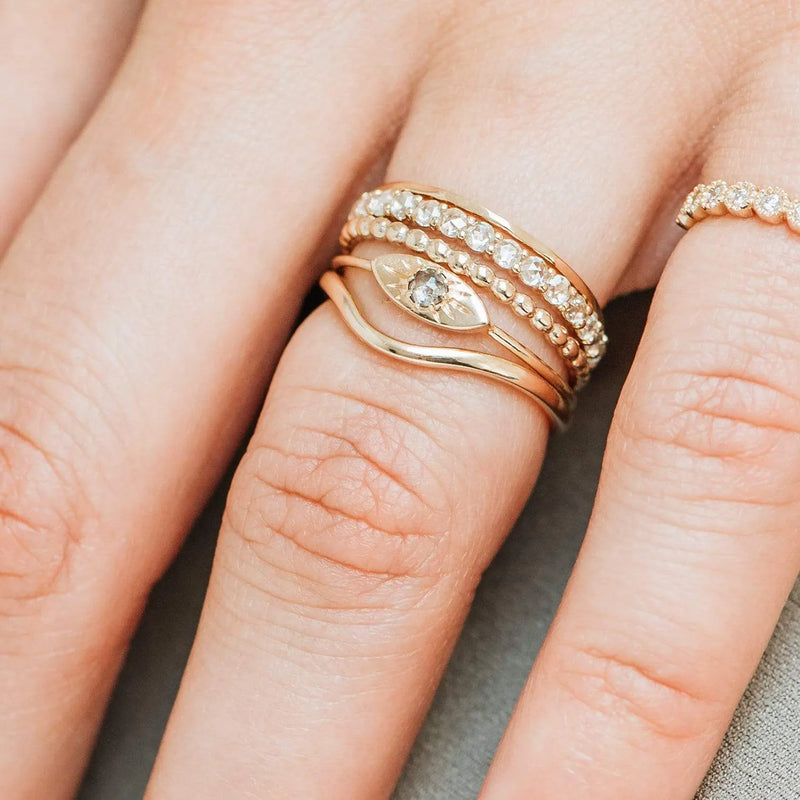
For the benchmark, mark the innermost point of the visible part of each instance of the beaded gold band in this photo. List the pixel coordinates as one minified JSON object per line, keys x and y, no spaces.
{"x":371,"y":228}
{"x":487,"y":236}
{"x":531,"y":376}
{"x":741,"y":199}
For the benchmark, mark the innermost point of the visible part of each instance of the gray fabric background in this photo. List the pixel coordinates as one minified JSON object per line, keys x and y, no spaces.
{"x":760,"y":759}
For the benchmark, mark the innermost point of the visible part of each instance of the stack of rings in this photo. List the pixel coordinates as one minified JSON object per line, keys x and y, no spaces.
{"x":438,"y":237}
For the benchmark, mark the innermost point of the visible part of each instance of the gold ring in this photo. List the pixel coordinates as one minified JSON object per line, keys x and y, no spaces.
{"x":741,"y":199}
{"x":558,"y":405}
{"x":401,"y":276}
{"x":439,"y":282}
{"x":489,"y":242}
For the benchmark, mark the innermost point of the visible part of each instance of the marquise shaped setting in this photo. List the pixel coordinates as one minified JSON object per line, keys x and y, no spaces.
{"x":430,"y":292}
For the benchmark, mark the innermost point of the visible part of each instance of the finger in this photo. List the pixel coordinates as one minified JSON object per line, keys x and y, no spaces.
{"x":693,"y":545}
{"x":361,"y":518}
{"x":56,"y":59}
{"x":141,"y":308}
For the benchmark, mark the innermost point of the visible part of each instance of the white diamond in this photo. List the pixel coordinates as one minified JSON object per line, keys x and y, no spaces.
{"x":376,"y":205}
{"x":428,"y":288}
{"x":428,"y":213}
{"x":454,"y":221}
{"x":793,"y":216}
{"x":506,"y":254}
{"x":479,"y":236}
{"x":588,"y":333}
{"x":712,"y":197}
{"x":417,"y":240}
{"x":739,"y":197}
{"x":531,"y":271}
{"x":402,"y":204}
{"x":557,"y":291}
{"x":596,"y":351}
{"x":576,"y":312}
{"x":769,"y":204}
{"x":360,"y":208}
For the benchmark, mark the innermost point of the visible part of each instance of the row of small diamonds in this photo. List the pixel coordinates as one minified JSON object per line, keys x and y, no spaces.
{"x":483,"y":238}
{"x":580,"y":358}
{"x":743,"y":200}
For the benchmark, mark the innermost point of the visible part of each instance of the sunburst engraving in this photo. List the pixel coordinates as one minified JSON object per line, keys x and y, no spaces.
{"x":430,"y":292}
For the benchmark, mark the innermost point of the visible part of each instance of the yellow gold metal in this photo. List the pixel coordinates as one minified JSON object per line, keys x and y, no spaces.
{"x":481,"y":275}
{"x":458,"y":251}
{"x":410,"y":215}
{"x":462,"y":310}
{"x":479,"y":212}
{"x":502,"y":337}
{"x":557,"y":404}
{"x":740,"y":199}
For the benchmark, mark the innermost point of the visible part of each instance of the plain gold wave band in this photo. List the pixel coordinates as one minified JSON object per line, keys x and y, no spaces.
{"x":557,"y":407}
{"x":502,"y":337}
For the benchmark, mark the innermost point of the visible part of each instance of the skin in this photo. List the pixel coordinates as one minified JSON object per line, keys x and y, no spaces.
{"x":150,"y":291}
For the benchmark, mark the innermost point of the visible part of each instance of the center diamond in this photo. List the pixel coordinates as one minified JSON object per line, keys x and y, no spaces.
{"x":428,"y":288}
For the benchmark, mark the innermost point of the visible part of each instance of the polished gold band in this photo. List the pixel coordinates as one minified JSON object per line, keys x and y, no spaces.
{"x":502,"y":337}
{"x":559,"y":336}
{"x":557,"y":406}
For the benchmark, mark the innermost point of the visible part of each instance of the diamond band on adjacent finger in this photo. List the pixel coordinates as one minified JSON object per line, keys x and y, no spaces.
{"x":741,"y":199}
{"x":439,"y":282}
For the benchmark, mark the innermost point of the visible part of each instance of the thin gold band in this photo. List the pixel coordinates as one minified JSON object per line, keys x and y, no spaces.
{"x":371,"y":228}
{"x":740,"y":199}
{"x":490,"y":238}
{"x":523,"y":236}
{"x":557,"y":407}
{"x":502,"y":337}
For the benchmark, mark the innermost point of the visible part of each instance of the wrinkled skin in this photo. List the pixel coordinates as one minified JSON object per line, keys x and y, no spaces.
{"x":170,"y":178}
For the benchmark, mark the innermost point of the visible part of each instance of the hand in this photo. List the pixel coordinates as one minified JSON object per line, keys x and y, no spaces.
{"x":149,"y":293}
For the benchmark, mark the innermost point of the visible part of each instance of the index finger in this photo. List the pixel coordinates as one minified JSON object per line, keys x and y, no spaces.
{"x":141,"y":309}
{"x":56,"y":60}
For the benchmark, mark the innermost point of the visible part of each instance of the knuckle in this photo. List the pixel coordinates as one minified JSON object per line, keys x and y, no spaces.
{"x":642,"y":699}
{"x":729,"y":410}
{"x":765,"y":83}
{"x":46,"y":510}
{"x":40,"y":520}
{"x":721,"y":414}
{"x":348,"y":501}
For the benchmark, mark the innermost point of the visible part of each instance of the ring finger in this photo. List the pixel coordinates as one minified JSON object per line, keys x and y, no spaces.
{"x":363,"y":514}
{"x":693,"y":546}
